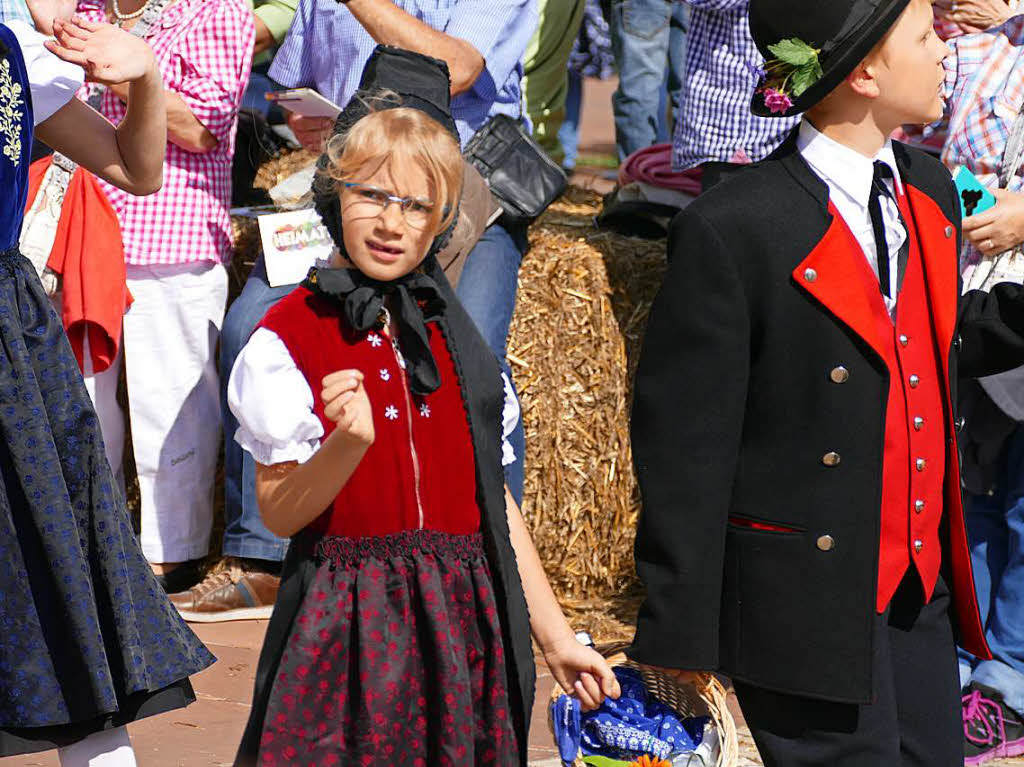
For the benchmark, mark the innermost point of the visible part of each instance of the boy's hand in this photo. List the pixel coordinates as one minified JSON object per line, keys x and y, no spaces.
{"x":311,"y":132}
{"x":347,"y":404}
{"x":1000,"y":227}
{"x":581,"y":671}
{"x":108,"y":55}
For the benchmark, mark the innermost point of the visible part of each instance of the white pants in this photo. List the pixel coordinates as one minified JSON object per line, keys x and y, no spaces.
{"x":102,"y":388}
{"x":170,"y":345}
{"x":107,"y":748}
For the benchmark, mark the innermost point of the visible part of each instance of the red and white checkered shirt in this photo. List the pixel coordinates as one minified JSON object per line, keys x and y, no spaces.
{"x":204,"y":51}
{"x":984,"y":92}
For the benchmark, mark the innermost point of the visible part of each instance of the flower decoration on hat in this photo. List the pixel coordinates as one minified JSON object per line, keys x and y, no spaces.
{"x":793,"y":68}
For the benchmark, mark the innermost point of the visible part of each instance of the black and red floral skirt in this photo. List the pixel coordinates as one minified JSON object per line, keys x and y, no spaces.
{"x":395,"y":657}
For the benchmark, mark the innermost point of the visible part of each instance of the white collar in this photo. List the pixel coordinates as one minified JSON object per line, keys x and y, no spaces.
{"x":842,"y":166}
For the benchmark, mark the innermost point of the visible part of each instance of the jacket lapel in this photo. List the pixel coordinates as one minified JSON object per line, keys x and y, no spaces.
{"x":837,"y":275}
{"x":835,"y":272}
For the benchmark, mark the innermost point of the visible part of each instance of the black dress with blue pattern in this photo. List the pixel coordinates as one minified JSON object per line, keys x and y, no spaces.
{"x":88,"y":639}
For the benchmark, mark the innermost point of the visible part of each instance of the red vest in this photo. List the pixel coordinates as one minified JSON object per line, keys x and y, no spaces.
{"x":847,"y":289}
{"x":914,"y":456}
{"x":419,"y":472}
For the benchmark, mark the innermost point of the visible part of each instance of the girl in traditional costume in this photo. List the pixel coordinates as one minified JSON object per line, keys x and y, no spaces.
{"x":377,"y":416}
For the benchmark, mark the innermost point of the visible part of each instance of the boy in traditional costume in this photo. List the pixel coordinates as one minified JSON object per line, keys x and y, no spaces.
{"x":795,"y":421}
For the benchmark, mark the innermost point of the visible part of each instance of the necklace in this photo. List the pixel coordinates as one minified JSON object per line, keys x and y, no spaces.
{"x":123,"y":17}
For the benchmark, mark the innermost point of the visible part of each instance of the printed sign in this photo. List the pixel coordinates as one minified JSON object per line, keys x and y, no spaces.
{"x":292,"y":243}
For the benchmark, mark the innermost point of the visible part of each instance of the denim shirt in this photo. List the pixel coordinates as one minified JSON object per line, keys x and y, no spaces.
{"x":327,"y":47}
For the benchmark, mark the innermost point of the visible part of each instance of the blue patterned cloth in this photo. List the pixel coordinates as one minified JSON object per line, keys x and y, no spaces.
{"x":626,"y":728}
{"x":87,"y":636}
{"x":327,"y":47}
{"x":714,"y":122}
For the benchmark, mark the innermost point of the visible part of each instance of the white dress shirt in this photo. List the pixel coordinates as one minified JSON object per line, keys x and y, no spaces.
{"x":849,"y":174}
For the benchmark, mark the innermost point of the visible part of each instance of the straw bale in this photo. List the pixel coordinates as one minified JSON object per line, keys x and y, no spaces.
{"x":583,"y":301}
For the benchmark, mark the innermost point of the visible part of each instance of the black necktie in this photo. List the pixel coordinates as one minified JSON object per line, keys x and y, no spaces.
{"x":418,"y":301}
{"x":882,"y":173}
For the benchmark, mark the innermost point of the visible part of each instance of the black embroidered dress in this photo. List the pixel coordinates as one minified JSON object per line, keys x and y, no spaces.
{"x":88,"y":639}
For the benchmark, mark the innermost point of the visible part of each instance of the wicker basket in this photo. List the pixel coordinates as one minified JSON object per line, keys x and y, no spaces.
{"x":705,"y":698}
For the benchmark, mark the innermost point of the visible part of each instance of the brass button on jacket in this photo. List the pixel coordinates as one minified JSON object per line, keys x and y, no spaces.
{"x":826,"y":543}
{"x":831,"y":459}
{"x":839,"y":374}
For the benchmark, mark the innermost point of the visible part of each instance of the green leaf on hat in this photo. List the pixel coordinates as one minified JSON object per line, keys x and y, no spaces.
{"x":794,"y":52}
{"x":805,"y":76}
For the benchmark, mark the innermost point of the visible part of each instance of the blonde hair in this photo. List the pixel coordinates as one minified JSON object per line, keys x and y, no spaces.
{"x":398,"y":138}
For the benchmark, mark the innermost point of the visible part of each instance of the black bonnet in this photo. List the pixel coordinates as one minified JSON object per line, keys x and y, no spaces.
{"x":392,"y":78}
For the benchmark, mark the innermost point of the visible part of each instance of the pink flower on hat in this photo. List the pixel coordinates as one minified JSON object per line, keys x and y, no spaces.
{"x":776,"y":101}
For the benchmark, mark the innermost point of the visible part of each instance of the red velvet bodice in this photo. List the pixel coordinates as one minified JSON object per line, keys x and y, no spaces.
{"x":419,"y":472}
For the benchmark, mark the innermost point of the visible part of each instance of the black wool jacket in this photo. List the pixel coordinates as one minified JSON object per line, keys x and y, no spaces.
{"x":734,"y":410}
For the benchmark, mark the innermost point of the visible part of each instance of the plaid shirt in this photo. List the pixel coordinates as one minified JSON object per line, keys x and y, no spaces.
{"x":715,"y":122}
{"x":14,"y":10}
{"x":984,"y":91}
{"x":204,"y":50}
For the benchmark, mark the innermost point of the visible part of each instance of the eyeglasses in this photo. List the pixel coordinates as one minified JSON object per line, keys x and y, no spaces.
{"x":416,"y":210}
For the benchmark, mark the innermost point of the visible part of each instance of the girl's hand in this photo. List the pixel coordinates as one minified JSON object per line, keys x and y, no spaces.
{"x":999,"y":228}
{"x":44,"y":12}
{"x":108,"y":55}
{"x":581,"y":671}
{"x":347,"y":404}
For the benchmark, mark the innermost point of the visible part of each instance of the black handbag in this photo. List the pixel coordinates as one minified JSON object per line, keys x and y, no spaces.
{"x":521,"y":176}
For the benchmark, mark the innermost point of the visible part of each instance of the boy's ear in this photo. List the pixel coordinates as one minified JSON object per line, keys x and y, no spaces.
{"x":863,"y":81}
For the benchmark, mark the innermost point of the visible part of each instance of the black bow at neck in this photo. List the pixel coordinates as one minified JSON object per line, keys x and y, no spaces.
{"x":363,"y":301}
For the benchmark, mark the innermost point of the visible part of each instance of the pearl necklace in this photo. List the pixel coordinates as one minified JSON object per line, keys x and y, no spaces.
{"x":123,"y":17}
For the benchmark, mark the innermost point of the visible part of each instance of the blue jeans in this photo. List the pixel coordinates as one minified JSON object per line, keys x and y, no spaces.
{"x":995,"y":530}
{"x":487,"y":288}
{"x":649,"y":44}
{"x":244,"y":532}
{"x":569,"y":132}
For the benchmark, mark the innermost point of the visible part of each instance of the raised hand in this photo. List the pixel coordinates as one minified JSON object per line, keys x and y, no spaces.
{"x":347,"y":404}
{"x":108,"y":55}
{"x":45,"y":11}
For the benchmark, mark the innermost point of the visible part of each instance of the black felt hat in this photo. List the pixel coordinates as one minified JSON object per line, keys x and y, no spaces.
{"x":392,"y":78}
{"x":840,"y":33}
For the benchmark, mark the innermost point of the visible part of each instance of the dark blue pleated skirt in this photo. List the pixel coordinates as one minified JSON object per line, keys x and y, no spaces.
{"x":88,"y":639}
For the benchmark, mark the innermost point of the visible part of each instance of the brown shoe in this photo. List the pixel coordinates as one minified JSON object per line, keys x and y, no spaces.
{"x":229,"y":593}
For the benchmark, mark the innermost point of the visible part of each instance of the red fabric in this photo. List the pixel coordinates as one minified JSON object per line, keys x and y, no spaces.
{"x":95,"y":296}
{"x":422,"y":456}
{"x":653,"y":165}
{"x":755,"y":525}
{"x":846,"y":286}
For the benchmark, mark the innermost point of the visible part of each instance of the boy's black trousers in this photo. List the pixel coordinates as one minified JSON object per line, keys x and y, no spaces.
{"x":915,"y":720}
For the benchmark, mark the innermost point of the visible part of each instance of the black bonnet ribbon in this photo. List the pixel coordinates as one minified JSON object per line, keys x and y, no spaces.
{"x":362,"y":300}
